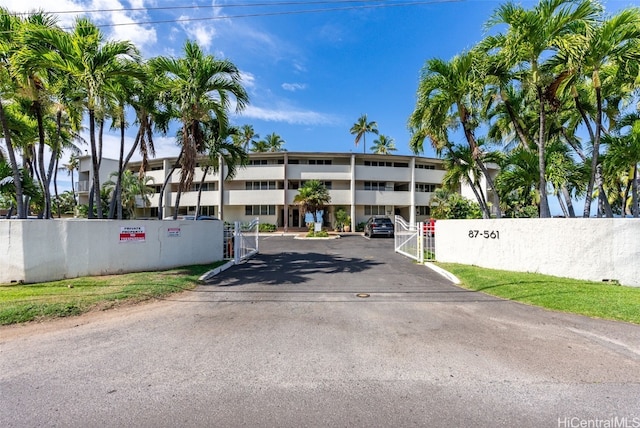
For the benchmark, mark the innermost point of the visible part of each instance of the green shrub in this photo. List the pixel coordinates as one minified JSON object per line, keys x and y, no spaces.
{"x":360,"y":226}
{"x":320,"y":234}
{"x":267,"y":227}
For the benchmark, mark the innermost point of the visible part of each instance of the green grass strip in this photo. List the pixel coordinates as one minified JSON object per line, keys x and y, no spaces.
{"x":56,"y":299}
{"x":593,"y":299}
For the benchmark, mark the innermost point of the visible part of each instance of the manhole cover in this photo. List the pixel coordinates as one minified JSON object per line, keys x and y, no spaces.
{"x":362,"y":295}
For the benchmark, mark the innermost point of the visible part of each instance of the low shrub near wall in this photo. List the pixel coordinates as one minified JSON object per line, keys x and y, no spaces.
{"x":591,"y":249}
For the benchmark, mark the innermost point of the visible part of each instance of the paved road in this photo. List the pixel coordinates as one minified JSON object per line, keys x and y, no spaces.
{"x":283,"y":340}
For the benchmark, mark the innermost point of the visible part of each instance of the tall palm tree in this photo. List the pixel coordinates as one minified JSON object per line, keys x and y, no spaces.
{"x":70,"y":167}
{"x":133,"y":189}
{"x":245,"y":137}
{"x":273,"y":142}
{"x":199,"y":85}
{"x":383,"y":145}
{"x":259,"y":146}
{"x":91,"y":62}
{"x":608,"y":43}
{"x":361,"y":128}
{"x":449,"y":95}
{"x":623,"y":154}
{"x":8,"y":29}
{"x":312,"y":197}
{"x":531,"y":39}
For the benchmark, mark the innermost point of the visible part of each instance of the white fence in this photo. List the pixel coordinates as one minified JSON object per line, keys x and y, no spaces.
{"x":246,"y":240}
{"x":47,"y":250}
{"x":592,"y":249}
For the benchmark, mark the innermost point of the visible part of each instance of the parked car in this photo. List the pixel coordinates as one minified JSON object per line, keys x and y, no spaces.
{"x":382,"y":226}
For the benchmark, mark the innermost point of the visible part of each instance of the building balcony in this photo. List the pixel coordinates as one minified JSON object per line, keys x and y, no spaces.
{"x":260,"y":172}
{"x":319,"y":172}
{"x":429,"y":175}
{"x":338,"y":197}
{"x":373,"y":197}
{"x":254,"y":197}
{"x":392,"y":174}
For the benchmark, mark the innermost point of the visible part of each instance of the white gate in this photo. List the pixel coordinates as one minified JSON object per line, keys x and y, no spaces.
{"x":416,"y":241}
{"x":241,"y":240}
{"x":408,"y":239}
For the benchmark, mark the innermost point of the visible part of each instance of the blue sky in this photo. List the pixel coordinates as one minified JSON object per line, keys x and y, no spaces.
{"x":309,"y":75}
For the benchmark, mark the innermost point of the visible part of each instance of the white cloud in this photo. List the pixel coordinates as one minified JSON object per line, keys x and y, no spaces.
{"x":288,"y":115}
{"x":201,"y":33}
{"x":292,"y":87}
{"x":248,"y":79}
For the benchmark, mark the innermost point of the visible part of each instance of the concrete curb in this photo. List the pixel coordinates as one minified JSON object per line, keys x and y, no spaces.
{"x":451,"y":277}
{"x":216,"y":271}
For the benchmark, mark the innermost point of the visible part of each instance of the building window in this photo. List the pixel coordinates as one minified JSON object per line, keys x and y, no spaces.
{"x":377,"y":163}
{"x":423,"y":210}
{"x":374,"y":185}
{"x":374,"y":210}
{"x":258,"y":162}
{"x":294,"y":161}
{"x":401,"y":165}
{"x":319,"y":161}
{"x":425,"y":166}
{"x":260,"y":210}
{"x":424,"y":187}
{"x":156,"y":168}
{"x":260,"y":185}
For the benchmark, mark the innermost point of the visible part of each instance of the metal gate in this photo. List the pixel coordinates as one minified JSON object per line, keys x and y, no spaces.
{"x":416,"y":241}
{"x":241,"y":240}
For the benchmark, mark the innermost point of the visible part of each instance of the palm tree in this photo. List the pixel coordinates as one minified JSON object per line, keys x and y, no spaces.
{"x":245,"y":137}
{"x":312,"y":197}
{"x":623,"y":154}
{"x":197,"y":86}
{"x":133,"y":189}
{"x":383,"y":145}
{"x":274,"y":142}
{"x":608,"y":43}
{"x":259,"y":146}
{"x":221,"y":152}
{"x":528,"y":45}
{"x":361,"y":128}
{"x":71,"y":167}
{"x":92,"y":63}
{"x":448,"y":96}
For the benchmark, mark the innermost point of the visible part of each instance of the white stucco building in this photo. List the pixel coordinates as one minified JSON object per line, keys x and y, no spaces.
{"x":363,"y":184}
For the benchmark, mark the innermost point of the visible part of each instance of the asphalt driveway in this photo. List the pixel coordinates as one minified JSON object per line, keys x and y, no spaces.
{"x":284,"y":340}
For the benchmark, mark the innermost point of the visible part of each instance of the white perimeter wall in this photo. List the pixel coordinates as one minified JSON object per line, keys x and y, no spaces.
{"x":47,"y":250}
{"x":592,"y":249}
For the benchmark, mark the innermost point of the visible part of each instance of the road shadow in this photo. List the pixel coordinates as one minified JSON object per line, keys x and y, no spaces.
{"x":289,"y":268}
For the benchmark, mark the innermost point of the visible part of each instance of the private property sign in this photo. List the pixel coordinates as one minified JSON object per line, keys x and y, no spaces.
{"x":132,"y":234}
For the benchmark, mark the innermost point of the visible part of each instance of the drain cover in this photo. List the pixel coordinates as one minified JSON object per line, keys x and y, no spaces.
{"x":362,"y":295}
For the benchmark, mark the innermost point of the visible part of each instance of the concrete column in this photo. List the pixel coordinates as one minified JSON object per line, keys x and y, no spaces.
{"x":353,"y":192}
{"x":286,"y":188}
{"x":412,"y":214}
{"x":221,"y":175}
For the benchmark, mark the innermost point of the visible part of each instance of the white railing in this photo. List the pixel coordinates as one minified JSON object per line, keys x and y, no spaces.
{"x":241,"y":240}
{"x":415,"y":241}
{"x":408,"y":239}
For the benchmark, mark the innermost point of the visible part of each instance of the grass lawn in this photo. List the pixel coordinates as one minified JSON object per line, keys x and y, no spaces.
{"x":23,"y":303}
{"x":594,"y":299}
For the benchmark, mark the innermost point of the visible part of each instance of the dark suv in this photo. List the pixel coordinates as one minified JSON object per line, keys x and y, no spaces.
{"x":378,"y":226}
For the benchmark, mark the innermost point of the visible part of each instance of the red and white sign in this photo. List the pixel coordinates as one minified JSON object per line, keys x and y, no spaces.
{"x":173,"y":232}
{"x":132,"y":234}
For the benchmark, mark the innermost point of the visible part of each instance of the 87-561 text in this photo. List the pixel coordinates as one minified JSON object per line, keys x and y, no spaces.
{"x":487,"y":234}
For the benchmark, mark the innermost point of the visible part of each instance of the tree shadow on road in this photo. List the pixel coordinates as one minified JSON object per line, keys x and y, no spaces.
{"x":289,"y":268}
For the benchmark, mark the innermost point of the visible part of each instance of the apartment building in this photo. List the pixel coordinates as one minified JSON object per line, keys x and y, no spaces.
{"x":362,"y":184}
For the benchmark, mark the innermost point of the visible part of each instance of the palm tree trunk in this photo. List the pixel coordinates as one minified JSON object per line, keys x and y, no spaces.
{"x":562,"y":206}
{"x":17,"y":177}
{"x":204,"y":175}
{"x":166,"y":181}
{"x":116,"y":198}
{"x":542,"y":165}
{"x":95,"y":167}
{"x":42,"y":176}
{"x":55,"y":187}
{"x":567,"y":198}
{"x":635,"y":203}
